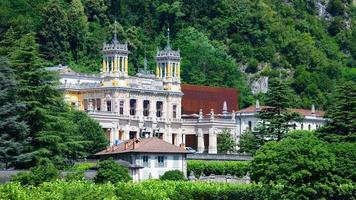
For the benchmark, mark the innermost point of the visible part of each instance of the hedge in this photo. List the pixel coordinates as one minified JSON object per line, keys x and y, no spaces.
{"x":151,"y":190}
{"x":237,"y":168}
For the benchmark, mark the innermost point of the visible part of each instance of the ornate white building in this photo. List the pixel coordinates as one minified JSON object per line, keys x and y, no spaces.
{"x":150,"y":105}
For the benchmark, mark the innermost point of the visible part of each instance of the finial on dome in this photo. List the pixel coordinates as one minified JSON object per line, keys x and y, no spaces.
{"x":313,"y":109}
{"x":115,"y":32}
{"x":224,"y":107}
{"x":258,"y":108}
{"x":168,"y":44}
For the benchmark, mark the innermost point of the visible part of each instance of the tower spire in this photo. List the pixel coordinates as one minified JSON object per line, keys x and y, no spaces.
{"x":115,"y":31}
{"x":145,"y":61}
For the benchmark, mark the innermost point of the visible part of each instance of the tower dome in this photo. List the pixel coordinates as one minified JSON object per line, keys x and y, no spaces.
{"x":115,"y":57}
{"x":168,"y":63}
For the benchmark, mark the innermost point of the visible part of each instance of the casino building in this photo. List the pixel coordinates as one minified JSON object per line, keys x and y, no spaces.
{"x":157,"y":104}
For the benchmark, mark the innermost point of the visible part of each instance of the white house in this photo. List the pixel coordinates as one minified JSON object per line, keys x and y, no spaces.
{"x":148,"y":157}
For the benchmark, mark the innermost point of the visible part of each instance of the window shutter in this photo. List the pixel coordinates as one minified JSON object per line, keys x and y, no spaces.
{"x":165,"y":161}
{"x":156,"y":161}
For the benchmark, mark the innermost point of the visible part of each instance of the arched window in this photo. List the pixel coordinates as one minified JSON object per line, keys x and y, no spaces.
{"x":309,"y":127}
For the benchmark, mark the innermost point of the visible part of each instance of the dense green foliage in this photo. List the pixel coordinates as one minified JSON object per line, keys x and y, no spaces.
{"x":152,"y":190}
{"x":13,"y":130}
{"x":216,"y":38}
{"x":226,"y":143}
{"x":307,"y":167}
{"x":199,"y":167}
{"x":172,"y":175}
{"x":109,"y":171}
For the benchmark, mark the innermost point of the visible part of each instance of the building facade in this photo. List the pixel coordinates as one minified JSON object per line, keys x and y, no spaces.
{"x":148,"y":157}
{"x":150,"y":104}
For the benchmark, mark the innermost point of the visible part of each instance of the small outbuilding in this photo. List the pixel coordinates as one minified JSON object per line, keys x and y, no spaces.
{"x":152,"y":157}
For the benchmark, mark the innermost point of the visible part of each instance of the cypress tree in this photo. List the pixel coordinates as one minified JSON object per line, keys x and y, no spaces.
{"x":13,"y":130}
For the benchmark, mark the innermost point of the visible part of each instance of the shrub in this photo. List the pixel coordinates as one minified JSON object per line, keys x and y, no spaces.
{"x":173,"y":175}
{"x":76,"y":176}
{"x":109,"y":171}
{"x":43,"y":172}
{"x":84,"y":166}
{"x":237,"y":168}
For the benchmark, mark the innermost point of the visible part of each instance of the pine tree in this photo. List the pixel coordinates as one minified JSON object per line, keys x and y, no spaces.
{"x":226,"y":142}
{"x":78,"y":27}
{"x":342,"y":115}
{"x":13,"y":131}
{"x":53,"y":32}
{"x":275,"y":118}
{"x":52,"y":133}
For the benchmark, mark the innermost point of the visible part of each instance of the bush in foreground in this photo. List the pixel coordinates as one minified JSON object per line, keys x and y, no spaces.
{"x":152,"y":190}
{"x":43,"y":172}
{"x":109,"y":171}
{"x":300,"y":162}
{"x":173,"y":175}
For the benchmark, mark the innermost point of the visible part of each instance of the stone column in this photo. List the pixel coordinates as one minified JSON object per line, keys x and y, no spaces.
{"x":122,"y":64}
{"x":112,"y":137}
{"x":126,"y":134}
{"x":179,"y":138}
{"x":183,"y":136}
{"x":126,"y":65}
{"x":212,"y":142}
{"x":201,"y":147}
{"x":116,"y":135}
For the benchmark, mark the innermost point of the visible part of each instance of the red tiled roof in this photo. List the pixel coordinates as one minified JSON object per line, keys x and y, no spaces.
{"x":198,"y":97}
{"x":252,"y":109}
{"x":302,"y":112}
{"x":143,"y":145}
{"x":306,"y":112}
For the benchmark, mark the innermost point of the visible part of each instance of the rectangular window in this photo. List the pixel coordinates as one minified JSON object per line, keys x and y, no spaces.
{"x":132,"y":134}
{"x":160,"y":161}
{"x":132,"y":106}
{"x":174,"y":111}
{"x":146,"y":108}
{"x":98,"y":104}
{"x":249,"y":125}
{"x":145,"y":161}
{"x":121,"y":107}
{"x":108,"y":106}
{"x":159,"y":107}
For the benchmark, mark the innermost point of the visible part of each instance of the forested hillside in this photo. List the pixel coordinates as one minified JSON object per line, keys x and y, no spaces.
{"x":311,"y":44}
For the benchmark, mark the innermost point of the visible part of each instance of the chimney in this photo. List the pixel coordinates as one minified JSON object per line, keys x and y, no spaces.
{"x":126,"y":145}
{"x":182,"y":146}
{"x":258,"y":108}
{"x":135,"y":144}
